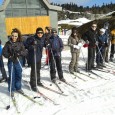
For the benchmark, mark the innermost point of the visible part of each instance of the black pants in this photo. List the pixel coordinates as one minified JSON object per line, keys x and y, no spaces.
{"x":3,"y":72}
{"x":100,"y":54}
{"x":52,"y":61}
{"x":2,"y":69}
{"x":91,"y":57}
{"x":112,"y":50}
{"x":33,"y":73}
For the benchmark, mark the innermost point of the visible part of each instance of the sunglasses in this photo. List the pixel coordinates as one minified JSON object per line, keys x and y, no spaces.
{"x":94,"y":26}
{"x":14,"y":36}
{"x":39,"y":32}
{"x":54,"y":32}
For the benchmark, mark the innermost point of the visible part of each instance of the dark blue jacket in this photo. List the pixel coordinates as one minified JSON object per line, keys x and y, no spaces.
{"x":1,"y":59}
{"x":37,"y":43}
{"x":102,"y":39}
{"x":56,"y":45}
{"x":11,"y":48}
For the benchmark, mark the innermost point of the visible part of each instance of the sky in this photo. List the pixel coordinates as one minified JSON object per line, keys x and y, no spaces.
{"x":80,"y":2}
{"x":84,"y":2}
{"x":1,"y":1}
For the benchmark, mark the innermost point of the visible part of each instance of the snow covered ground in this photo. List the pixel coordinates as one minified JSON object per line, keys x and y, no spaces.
{"x":90,"y":97}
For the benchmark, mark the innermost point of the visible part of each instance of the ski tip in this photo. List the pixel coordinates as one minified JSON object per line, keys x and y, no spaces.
{"x":7,"y":107}
{"x":36,"y":97}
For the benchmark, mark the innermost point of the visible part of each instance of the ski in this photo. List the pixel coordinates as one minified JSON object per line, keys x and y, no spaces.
{"x":102,"y":70}
{"x":47,"y":88}
{"x":68,"y":84}
{"x":109,"y":71}
{"x":76,"y":76}
{"x":46,"y":98}
{"x":15,"y":104}
{"x":58,"y":87}
{"x":109,"y":66}
{"x":98,"y":75}
{"x":86,"y":75}
{"x":29,"y":98}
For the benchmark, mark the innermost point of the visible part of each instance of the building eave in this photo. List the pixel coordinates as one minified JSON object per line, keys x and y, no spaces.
{"x":4,"y":5}
{"x":52,"y":7}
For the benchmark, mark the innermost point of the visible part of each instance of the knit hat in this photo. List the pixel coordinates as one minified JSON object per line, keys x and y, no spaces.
{"x":102,"y":30}
{"x":39,"y":29}
{"x":106,"y":25}
{"x":54,"y":30}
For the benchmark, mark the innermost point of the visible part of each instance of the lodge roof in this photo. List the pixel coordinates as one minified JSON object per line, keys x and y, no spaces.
{"x":49,"y":6}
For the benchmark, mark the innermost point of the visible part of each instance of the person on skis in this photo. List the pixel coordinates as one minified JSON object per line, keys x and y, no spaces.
{"x":47,"y":35}
{"x":74,"y":43}
{"x":100,"y":49}
{"x":55,"y":47}
{"x":35,"y":45}
{"x":91,"y":37}
{"x":14,"y":50}
{"x":112,"y":45}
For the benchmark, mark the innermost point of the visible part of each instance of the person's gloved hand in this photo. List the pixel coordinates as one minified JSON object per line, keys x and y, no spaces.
{"x":48,"y":46}
{"x":96,"y":43}
{"x":106,"y":45}
{"x":80,"y":44}
{"x":87,"y":42}
{"x":16,"y":54}
{"x":76,"y":47}
{"x":85,"y":45}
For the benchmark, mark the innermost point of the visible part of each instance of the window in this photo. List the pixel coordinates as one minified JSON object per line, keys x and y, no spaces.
{"x":33,"y":4}
{"x":33,"y":12}
{"x":19,"y":12}
{"x":8,"y":13}
{"x":44,"y":12}
{"x":18,"y":3}
{"x":18,"y":8}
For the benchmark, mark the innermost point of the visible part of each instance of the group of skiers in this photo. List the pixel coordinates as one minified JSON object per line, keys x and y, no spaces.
{"x":98,"y":44}
{"x":15,"y":50}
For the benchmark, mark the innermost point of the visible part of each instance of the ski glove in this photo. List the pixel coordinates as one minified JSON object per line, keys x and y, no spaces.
{"x":85,"y":45}
{"x":76,"y":46}
{"x":80,"y":45}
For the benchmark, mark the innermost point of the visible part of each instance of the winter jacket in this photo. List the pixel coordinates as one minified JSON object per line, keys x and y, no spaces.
{"x":0,"y":50}
{"x":47,"y":36}
{"x":113,"y":36}
{"x":37,"y":43}
{"x":13,"y":50}
{"x":102,"y":39}
{"x":56,"y":45}
{"x":1,"y":59}
{"x":73,"y":41}
{"x":92,"y":37}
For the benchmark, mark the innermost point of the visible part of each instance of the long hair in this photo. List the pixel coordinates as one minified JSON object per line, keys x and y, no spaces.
{"x":75,"y":29}
{"x":15,"y":30}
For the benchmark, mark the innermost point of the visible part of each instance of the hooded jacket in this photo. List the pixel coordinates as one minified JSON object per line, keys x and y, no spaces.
{"x":36,"y":44}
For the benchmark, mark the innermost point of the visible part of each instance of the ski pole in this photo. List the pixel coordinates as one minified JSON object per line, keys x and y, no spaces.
{"x":86,"y":62}
{"x":10,"y":87}
{"x":56,"y":70}
{"x":25,"y":75}
{"x":100,"y":53}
